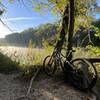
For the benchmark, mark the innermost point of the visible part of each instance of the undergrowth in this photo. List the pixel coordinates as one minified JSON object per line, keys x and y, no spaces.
{"x":6,"y":64}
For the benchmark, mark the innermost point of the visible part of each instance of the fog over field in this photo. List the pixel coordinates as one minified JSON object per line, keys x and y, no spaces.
{"x":20,"y":50}
{"x":19,"y":53}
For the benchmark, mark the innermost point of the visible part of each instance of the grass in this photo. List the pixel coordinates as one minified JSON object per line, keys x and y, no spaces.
{"x":6,"y":64}
{"x":25,"y":59}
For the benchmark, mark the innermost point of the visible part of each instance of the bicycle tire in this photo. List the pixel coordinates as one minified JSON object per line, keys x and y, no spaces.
{"x":49,"y":69}
{"x":92,"y":81}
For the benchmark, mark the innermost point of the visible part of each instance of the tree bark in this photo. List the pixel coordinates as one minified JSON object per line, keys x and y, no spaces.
{"x":71,"y":29}
{"x":64,"y":29}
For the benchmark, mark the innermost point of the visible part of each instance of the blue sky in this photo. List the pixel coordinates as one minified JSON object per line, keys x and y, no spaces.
{"x":97,"y":16}
{"x":18,"y":18}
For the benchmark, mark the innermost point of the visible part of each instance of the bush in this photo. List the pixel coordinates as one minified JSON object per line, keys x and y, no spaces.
{"x":6,"y":64}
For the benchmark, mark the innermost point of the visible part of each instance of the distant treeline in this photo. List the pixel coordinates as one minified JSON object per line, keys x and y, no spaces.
{"x":36,"y":35}
{"x":49,"y":31}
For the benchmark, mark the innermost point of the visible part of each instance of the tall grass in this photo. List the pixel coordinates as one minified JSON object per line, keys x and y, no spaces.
{"x":6,"y":64}
{"x":88,"y":52}
{"x":26,"y":58}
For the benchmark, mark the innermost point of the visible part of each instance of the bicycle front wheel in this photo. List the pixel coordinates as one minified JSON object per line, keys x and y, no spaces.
{"x":86,"y":74}
{"x":49,"y":65}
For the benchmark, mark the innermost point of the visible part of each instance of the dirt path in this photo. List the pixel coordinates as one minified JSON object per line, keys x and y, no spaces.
{"x":44,"y":89}
{"x":10,"y":88}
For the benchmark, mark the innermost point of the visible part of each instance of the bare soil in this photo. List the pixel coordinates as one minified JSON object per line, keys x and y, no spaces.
{"x":44,"y":88}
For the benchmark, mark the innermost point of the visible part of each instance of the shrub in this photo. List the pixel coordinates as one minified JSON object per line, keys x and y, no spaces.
{"x":6,"y":64}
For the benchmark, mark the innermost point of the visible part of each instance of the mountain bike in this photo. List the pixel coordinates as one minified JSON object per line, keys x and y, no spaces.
{"x":80,"y":72}
{"x":51,"y":62}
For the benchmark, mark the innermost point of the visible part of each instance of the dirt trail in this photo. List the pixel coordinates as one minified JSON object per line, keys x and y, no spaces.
{"x":43,"y":89}
{"x":10,"y":87}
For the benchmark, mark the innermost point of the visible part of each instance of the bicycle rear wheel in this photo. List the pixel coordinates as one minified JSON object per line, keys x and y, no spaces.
{"x":86,"y":74}
{"x":49,"y":65}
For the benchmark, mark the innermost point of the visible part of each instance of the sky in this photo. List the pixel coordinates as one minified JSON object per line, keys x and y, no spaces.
{"x":19,"y":17}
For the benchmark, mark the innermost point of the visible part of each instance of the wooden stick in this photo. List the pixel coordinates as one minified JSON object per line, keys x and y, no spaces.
{"x":31,"y":81}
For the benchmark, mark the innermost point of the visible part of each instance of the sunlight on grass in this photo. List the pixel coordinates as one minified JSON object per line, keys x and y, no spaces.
{"x":87,"y":52}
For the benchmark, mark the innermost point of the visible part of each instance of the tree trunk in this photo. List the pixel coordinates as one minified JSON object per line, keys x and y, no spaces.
{"x":71,"y":29}
{"x":64,"y":29}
